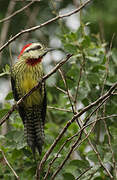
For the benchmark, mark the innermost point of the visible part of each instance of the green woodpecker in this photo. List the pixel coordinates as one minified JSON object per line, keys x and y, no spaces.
{"x":25,"y":74}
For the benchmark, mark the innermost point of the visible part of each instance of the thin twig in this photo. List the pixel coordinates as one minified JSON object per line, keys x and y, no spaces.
{"x":96,"y":151}
{"x":92,"y":174}
{"x":109,"y":142}
{"x":43,"y":24}
{"x":75,"y":135}
{"x":100,"y":161}
{"x":78,"y":82}
{"x":107,"y":64}
{"x":109,"y":93}
{"x":70,"y":97}
{"x":67,"y":89}
{"x":34,"y":88}
{"x":8,"y":164}
{"x":31,"y":21}
{"x":83,"y":173}
{"x":17,"y":12}
{"x":62,"y":90}
{"x":5,"y":26}
{"x":60,"y":109}
{"x":75,"y":145}
{"x":110,"y":145}
{"x":87,"y":119}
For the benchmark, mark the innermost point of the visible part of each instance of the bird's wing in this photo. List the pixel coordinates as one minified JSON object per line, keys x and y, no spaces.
{"x":17,"y":97}
{"x":44,"y":106}
{"x":15,"y":93}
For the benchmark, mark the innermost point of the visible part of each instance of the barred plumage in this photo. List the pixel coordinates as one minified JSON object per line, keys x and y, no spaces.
{"x":25,"y":74}
{"x":33,"y":128}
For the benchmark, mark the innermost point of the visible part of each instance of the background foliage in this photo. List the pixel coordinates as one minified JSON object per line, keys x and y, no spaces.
{"x":91,"y":37}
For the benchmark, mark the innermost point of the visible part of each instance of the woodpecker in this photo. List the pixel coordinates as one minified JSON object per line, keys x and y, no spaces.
{"x":25,"y":74}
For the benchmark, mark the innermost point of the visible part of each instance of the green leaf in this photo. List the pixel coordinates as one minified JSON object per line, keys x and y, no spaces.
{"x":86,"y":42}
{"x":27,"y":152}
{"x":9,"y":96}
{"x":92,"y":156}
{"x":114,"y":56}
{"x":107,"y":157}
{"x":71,"y":48}
{"x":15,"y":135}
{"x":73,"y":128}
{"x":68,"y":176}
{"x":80,"y":163}
{"x":3,"y":112}
{"x":93,"y":78}
{"x":93,"y":59}
{"x":6,"y":70}
{"x":1,"y":137}
{"x":101,"y":178}
{"x":97,"y":68}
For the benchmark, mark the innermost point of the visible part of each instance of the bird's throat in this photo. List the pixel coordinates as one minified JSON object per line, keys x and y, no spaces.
{"x":33,"y":61}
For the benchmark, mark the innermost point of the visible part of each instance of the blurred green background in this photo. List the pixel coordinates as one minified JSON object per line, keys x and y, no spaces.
{"x":90,"y":36}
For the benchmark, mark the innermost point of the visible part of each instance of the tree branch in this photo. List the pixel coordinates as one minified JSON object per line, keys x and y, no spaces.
{"x":16,"y":12}
{"x":43,"y":24}
{"x":6,"y":161}
{"x":5,"y":26}
{"x":34,"y":88}
{"x":60,"y":109}
{"x":75,"y":135}
{"x":77,"y":143}
{"x":100,"y":99}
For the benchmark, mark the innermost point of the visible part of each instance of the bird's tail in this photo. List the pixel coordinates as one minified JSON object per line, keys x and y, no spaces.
{"x":34,"y":129}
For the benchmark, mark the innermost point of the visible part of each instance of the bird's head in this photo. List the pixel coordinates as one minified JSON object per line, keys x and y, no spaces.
{"x":33,"y":53}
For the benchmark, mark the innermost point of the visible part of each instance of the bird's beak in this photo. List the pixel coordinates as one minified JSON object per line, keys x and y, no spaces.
{"x":50,"y":49}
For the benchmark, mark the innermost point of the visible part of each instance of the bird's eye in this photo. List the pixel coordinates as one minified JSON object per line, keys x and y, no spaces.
{"x":38,"y":47}
{"x":34,"y":48}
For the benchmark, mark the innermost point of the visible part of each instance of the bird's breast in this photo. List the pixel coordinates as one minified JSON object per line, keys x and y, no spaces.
{"x":27,"y":83}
